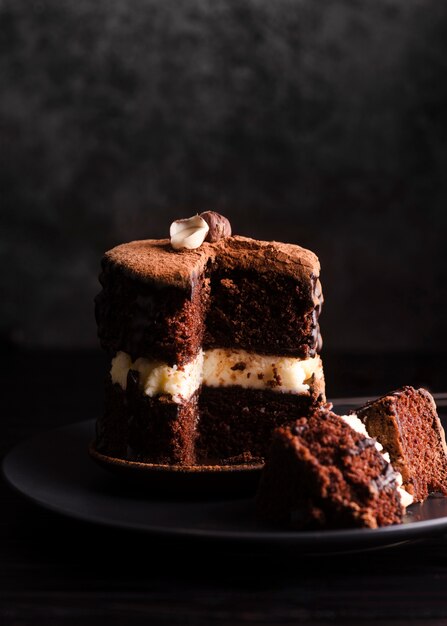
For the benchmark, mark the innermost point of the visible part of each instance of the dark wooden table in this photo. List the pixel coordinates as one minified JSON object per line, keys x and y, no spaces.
{"x":56,"y":571}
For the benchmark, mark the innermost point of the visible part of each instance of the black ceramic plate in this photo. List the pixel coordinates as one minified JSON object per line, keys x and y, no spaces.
{"x":55,"y":471}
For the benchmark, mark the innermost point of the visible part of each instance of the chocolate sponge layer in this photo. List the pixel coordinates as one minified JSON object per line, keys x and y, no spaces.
{"x":236,"y":421}
{"x":263,"y":313}
{"x":152,"y":430}
{"x":262,"y":297}
{"x":214,"y":426}
{"x":150,"y":320}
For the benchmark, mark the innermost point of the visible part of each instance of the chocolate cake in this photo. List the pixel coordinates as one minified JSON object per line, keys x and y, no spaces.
{"x":213,"y":343}
{"x":323,"y":473}
{"x":407,"y":425}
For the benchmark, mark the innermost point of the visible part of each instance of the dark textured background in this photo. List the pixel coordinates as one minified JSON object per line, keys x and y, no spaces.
{"x":317,"y":123}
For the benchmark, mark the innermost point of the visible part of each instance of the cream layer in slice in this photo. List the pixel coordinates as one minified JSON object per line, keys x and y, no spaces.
{"x":219,"y":368}
{"x":354,"y":422}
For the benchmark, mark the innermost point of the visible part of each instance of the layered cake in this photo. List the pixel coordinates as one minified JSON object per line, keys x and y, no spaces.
{"x":324,"y":471}
{"x":407,"y":425}
{"x":214,"y":341}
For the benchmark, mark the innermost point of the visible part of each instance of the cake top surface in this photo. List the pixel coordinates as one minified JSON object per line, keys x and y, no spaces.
{"x":154,"y":260}
{"x":392,"y":398}
{"x":322,"y":424}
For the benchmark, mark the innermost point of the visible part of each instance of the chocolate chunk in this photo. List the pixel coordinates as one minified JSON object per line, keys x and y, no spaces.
{"x":219,"y":226}
{"x":239,"y":366}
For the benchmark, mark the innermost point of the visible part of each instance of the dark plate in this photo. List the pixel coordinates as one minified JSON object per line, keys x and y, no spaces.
{"x":55,"y":471}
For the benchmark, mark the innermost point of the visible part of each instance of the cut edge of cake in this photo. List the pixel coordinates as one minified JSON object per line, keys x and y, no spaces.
{"x":406,"y":423}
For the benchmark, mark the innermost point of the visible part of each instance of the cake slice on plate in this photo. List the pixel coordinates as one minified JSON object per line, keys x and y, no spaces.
{"x":407,"y":425}
{"x":323,"y":471}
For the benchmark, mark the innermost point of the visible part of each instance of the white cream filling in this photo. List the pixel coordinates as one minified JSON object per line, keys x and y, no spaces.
{"x":158,"y":378}
{"x":224,"y":367}
{"x":218,"y":368}
{"x":354,"y":422}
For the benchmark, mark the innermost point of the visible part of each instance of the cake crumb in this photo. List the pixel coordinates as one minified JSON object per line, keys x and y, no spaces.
{"x":277,"y":380}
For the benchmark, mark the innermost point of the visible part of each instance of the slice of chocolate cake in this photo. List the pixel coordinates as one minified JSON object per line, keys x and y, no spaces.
{"x":213,"y":343}
{"x":322,"y":473}
{"x":407,"y":425}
